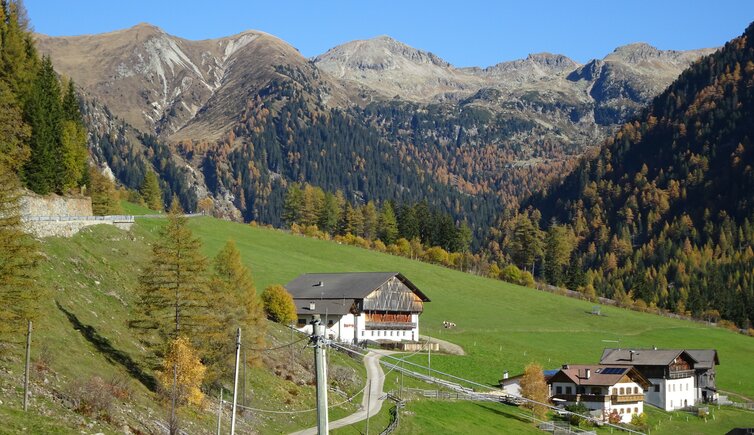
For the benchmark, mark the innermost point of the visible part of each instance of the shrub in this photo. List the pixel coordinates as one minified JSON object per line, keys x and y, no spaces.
{"x":639,"y":420}
{"x":278,"y":304}
{"x":92,"y":398}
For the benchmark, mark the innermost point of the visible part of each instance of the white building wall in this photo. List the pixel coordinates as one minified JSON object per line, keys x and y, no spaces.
{"x":679,"y":393}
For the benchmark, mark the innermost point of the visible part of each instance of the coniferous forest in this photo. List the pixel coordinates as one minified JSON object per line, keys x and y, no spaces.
{"x":663,"y":215}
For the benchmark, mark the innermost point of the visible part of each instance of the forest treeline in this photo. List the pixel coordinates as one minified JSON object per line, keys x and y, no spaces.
{"x":663,"y":216}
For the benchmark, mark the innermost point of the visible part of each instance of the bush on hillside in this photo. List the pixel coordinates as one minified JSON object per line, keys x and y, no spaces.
{"x":278,"y":304}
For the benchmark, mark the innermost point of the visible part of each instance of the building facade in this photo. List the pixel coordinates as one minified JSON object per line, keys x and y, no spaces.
{"x":616,"y":391}
{"x":361,"y":306}
{"x":679,"y":378}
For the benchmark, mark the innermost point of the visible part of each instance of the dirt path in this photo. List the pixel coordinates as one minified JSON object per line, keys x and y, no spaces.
{"x":373,"y":396}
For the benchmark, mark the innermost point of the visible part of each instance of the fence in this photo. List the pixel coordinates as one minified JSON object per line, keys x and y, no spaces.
{"x":116,"y":218}
{"x":395,"y":414}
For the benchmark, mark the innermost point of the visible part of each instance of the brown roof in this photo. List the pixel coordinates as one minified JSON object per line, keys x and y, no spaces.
{"x":599,"y":375}
{"x":644,"y":357}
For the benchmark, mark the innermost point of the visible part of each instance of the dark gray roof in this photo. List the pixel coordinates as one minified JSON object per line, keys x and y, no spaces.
{"x":353,"y":285}
{"x":336,"y":307}
{"x":642,"y":357}
{"x":706,"y":358}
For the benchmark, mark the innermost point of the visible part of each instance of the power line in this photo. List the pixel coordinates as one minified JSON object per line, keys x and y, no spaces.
{"x":267,"y":349}
{"x":301,"y":411}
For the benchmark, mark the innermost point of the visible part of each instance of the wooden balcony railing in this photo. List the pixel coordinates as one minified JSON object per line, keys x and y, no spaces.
{"x":625,"y":398}
{"x":580,"y":397}
{"x":679,"y":374}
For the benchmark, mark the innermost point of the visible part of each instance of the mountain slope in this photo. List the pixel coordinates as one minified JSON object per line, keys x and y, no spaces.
{"x":243,"y":116}
{"x":664,"y":211}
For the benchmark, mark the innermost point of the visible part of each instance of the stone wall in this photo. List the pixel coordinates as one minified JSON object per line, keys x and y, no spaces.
{"x":54,"y":205}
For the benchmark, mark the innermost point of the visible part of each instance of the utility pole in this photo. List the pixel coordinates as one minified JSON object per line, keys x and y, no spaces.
{"x":26,"y":371}
{"x":220,"y":412}
{"x":318,"y":340}
{"x":235,"y":383}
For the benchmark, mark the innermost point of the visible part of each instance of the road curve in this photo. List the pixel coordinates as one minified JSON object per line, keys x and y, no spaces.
{"x":377,"y":378}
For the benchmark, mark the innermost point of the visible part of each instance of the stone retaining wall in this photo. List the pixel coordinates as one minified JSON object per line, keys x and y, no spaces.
{"x":54,"y":205}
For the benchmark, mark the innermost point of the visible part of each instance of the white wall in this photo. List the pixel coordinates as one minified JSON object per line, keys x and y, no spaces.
{"x":625,"y":410}
{"x":679,"y":393}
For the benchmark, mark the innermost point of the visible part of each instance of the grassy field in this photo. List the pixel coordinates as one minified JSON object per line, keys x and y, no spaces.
{"x":89,"y":281}
{"x":501,"y":326}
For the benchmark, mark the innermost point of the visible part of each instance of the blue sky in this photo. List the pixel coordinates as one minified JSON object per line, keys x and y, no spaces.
{"x":465,"y":33}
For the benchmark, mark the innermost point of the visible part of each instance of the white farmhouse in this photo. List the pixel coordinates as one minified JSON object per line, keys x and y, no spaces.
{"x":360,"y":306}
{"x":616,"y":390}
{"x":679,"y":378}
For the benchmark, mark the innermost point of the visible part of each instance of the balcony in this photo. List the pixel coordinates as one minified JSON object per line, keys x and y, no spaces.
{"x":626,"y":398}
{"x":580,"y":397}
{"x":390,"y":325}
{"x":680,"y":374}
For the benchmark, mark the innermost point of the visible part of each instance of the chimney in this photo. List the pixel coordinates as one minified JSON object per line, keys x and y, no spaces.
{"x":565,"y":366}
{"x":312,"y":306}
{"x":319,"y":284}
{"x":588,"y":373}
{"x":505,"y":375}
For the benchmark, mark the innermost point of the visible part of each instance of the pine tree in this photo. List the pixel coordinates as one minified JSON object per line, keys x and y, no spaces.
{"x":235,"y":300}
{"x":292,"y":205}
{"x":150,"y":191}
{"x":19,"y":62}
{"x":44,"y":115}
{"x":172,"y":293}
{"x":328,"y":216}
{"x":387,"y":226}
{"x":369,"y":213}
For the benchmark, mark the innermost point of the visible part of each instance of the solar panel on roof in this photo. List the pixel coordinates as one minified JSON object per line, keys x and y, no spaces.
{"x":613,"y":371}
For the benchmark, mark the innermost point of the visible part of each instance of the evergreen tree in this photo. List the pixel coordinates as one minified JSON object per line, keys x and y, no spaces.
{"x":172,"y":294}
{"x":19,"y":62}
{"x":387,"y":226}
{"x":559,"y":244}
{"x":44,"y":115}
{"x":526,"y":245}
{"x":328,"y":216}
{"x":369,"y":213}
{"x":408,"y":224}
{"x":150,"y":191}
{"x":293,"y":204}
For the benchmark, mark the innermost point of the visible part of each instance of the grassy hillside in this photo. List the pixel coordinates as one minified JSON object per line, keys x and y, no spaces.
{"x":83,"y":334}
{"x":90,"y":279}
{"x":501,"y":326}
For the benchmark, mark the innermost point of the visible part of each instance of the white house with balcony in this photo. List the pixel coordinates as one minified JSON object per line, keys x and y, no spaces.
{"x":679,"y":378}
{"x":359,"y":306}
{"x":609,"y":390}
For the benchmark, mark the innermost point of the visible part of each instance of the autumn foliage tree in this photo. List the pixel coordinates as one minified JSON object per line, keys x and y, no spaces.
{"x":534,"y":387}
{"x":236,"y":304}
{"x":278,"y":304}
{"x":181,"y":376}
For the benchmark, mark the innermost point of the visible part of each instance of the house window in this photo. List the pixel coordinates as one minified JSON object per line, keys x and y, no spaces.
{"x":621,"y":411}
{"x":301,"y":322}
{"x":636,"y":390}
{"x":580,"y":390}
{"x":558,"y":390}
{"x":362,"y":333}
{"x":596,"y":391}
{"x":636,"y":410}
{"x":687,"y":387}
{"x":656,"y":388}
{"x":568,"y":390}
{"x":622,"y":390}
{"x":615,"y":391}
{"x":671,"y":403}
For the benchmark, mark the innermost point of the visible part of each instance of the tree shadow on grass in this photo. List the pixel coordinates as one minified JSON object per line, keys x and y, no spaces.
{"x":503,"y":413}
{"x":112,"y":354}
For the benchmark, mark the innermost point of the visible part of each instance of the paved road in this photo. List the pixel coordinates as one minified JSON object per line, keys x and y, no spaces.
{"x":377,"y":378}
